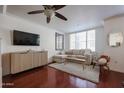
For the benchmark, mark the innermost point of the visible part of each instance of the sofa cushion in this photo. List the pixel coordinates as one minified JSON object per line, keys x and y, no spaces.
{"x":102,"y":61}
{"x":69,"y":52}
{"x":82,"y":51}
{"x":76,"y":52}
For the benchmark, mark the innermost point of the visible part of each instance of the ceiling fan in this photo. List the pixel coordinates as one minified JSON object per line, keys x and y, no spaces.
{"x":50,"y":11}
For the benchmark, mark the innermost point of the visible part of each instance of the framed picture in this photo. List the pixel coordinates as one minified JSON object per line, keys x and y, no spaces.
{"x":59,"y":41}
{"x":115,"y":39}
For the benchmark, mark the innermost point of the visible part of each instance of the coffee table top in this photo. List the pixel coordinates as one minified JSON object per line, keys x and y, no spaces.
{"x":70,"y":58}
{"x":76,"y":59}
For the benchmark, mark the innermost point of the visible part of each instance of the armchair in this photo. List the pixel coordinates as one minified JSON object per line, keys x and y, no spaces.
{"x":102,"y":61}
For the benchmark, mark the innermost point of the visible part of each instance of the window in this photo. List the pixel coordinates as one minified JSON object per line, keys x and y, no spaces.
{"x":72,"y":41}
{"x":59,"y":41}
{"x":91,"y":40}
{"x":83,"y":40}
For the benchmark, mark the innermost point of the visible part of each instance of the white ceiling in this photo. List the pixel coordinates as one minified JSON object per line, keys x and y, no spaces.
{"x":80,"y":17}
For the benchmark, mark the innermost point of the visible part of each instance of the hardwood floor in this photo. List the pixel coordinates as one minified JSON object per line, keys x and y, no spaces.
{"x":47,"y":77}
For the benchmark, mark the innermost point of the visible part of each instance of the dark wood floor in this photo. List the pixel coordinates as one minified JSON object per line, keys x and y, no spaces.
{"x":47,"y":77}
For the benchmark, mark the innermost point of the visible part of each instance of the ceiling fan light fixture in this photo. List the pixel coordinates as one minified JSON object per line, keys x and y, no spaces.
{"x":50,"y":12}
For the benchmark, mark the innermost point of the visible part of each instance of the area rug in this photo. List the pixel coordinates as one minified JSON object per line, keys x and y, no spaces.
{"x":76,"y":69}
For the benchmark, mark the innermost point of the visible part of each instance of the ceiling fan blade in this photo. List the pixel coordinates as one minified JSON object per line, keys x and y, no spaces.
{"x":56,"y":7}
{"x":60,"y":16}
{"x":48,"y":19}
{"x":47,"y":6}
{"x":36,"y":12}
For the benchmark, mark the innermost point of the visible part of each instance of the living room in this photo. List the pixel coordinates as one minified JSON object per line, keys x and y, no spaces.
{"x":59,"y":37}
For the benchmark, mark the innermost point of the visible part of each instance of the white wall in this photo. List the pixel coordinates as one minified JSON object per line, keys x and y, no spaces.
{"x":116,"y":53}
{"x":100,"y":41}
{"x":67,"y":41}
{"x":9,"y":23}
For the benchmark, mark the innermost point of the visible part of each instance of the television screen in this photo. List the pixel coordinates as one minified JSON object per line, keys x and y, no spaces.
{"x":24,"y":38}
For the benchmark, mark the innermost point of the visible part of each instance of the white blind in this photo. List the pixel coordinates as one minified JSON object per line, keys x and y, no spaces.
{"x":83,"y":40}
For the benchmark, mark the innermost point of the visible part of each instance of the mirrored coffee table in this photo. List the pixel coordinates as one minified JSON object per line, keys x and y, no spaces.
{"x":67,"y":59}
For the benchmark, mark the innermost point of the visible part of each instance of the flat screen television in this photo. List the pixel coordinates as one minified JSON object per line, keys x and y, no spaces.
{"x":24,"y":38}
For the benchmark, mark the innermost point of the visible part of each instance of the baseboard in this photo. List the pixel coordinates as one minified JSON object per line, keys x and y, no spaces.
{"x":116,"y":71}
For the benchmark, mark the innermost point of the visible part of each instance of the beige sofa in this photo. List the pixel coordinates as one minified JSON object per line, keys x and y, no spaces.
{"x":78,"y":53}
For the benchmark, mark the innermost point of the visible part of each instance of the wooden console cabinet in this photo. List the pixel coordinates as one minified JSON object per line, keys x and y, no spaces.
{"x":22,"y":61}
